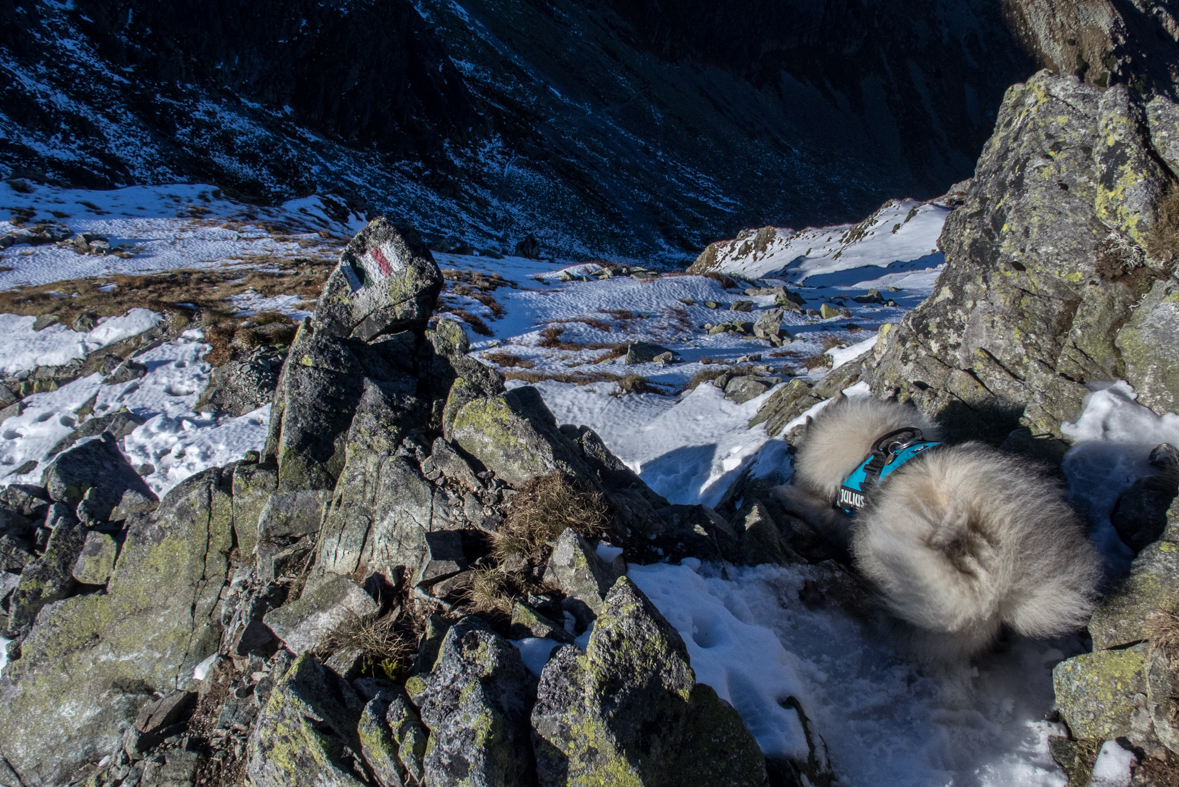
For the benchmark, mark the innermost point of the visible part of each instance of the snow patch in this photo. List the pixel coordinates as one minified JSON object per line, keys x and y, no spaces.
{"x":24,"y":349}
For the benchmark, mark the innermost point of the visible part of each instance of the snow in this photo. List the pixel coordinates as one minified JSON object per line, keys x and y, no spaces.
{"x":535,"y":652}
{"x":1112,"y":441}
{"x":3,"y":653}
{"x":1113,"y":765}
{"x":174,"y":440}
{"x":900,"y":231}
{"x":884,"y":721}
{"x":841,"y":355}
{"x":24,"y":349}
{"x":201,"y":670}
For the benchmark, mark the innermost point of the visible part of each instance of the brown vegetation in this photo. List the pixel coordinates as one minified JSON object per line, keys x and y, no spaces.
{"x":542,"y":509}
{"x":1163,"y":242}
{"x":508,"y":360}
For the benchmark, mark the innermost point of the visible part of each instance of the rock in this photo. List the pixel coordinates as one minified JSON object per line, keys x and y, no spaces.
{"x":306,"y":624}
{"x":379,"y":743}
{"x":325,"y":382}
{"x":307,"y":734}
{"x":253,"y":484}
{"x":628,"y":711}
{"x":643,"y":352}
{"x":769,"y":327}
{"x":445,"y":461}
{"x":1102,"y":695}
{"x":117,"y":424}
{"x":386,"y":281}
{"x":92,"y":661}
{"x":872,"y":296}
{"x":1162,"y":689}
{"x":155,"y":717}
{"x":47,"y":579}
{"x":1149,"y":349}
{"x":527,"y":622}
{"x":741,"y":306}
{"x":827,"y":312}
{"x":476,"y":703}
{"x":745,"y":387}
{"x":760,"y":539}
{"x":515,"y":436}
{"x":1140,"y":515}
{"x":576,"y":569}
{"x":285,"y":519}
{"x":444,"y":556}
{"x":96,"y":560}
{"x":85,"y":322}
{"x":14,"y":554}
{"x":240,"y":387}
{"x":43,"y":321}
{"x":529,"y":248}
{"x":125,"y":372}
{"x":72,"y":475}
{"x":1121,"y":617}
{"x":979,"y":353}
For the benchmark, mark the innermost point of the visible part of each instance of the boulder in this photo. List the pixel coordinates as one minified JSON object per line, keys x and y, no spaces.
{"x":1152,"y":585}
{"x":47,"y":579}
{"x":743,"y":388}
{"x":240,"y":387}
{"x":91,"y":662}
{"x":628,"y":710}
{"x":307,"y":623}
{"x":643,"y":352}
{"x":984,"y":354}
{"x":529,"y":248}
{"x":515,"y":436}
{"x":582,"y":576}
{"x":253,"y":485}
{"x":760,"y":540}
{"x":286,"y":518}
{"x":74,"y":475}
{"x":96,"y":560}
{"x":476,"y":703}
{"x":323,"y":383}
{"x":1102,"y":694}
{"x":386,"y":281}
{"x":307,"y":734}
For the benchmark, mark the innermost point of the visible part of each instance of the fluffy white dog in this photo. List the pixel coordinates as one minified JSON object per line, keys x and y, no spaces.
{"x":958,"y":540}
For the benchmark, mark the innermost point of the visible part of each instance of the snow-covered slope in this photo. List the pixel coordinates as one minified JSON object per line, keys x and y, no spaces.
{"x":900,"y":231}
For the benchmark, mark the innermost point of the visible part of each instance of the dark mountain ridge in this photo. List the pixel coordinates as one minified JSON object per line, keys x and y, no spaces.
{"x":608,"y":128}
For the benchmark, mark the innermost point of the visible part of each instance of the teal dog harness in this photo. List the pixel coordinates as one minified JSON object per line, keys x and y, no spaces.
{"x":888,"y":454}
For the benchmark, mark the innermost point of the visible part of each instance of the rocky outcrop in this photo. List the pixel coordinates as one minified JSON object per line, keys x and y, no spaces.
{"x":90,"y":662}
{"x":1050,"y":281}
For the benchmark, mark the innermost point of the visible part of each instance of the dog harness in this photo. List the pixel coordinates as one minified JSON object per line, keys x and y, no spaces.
{"x":888,"y":453}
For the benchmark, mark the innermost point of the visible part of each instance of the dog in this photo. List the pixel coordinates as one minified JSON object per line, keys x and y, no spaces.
{"x":958,"y":541}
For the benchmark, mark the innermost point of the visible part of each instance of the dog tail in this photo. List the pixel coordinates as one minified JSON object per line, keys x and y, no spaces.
{"x":974,"y":541}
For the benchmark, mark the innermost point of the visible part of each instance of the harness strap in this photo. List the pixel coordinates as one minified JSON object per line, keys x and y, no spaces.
{"x":889,"y":452}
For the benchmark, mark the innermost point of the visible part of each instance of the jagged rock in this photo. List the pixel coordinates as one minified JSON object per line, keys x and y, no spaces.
{"x":14,"y":554}
{"x":306,"y":736}
{"x":1102,"y":694}
{"x":239,"y":387}
{"x":85,"y":322}
{"x":1149,"y":346}
{"x":581,"y":575}
{"x":96,"y":560}
{"x":628,"y":711}
{"x":383,"y":506}
{"x":456,"y":378}
{"x":118,"y":424}
{"x":444,"y":556}
{"x":325,"y":382}
{"x":982,"y":354}
{"x":527,"y":622}
{"x":28,"y":500}
{"x":1152,"y":585}
{"x":43,"y":321}
{"x":47,"y":579}
{"x":75,"y":474}
{"x":387,"y":281}
{"x":798,"y":396}
{"x":769,"y":327}
{"x":1140,"y":515}
{"x":92,"y":661}
{"x":1162,"y":689}
{"x":760,"y":539}
{"x":476,"y":703}
{"x":643,"y":352}
{"x":285,"y":518}
{"x":306,"y":624}
{"x":125,"y":372}
{"x":827,"y":311}
{"x":8,"y":583}
{"x":872,"y":296}
{"x":253,"y":485}
{"x":445,"y":461}
{"x":515,"y":436}
{"x":743,"y":388}
{"x":392,"y":739}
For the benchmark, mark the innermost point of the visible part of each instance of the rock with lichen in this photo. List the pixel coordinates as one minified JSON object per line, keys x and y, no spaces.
{"x":476,"y":703}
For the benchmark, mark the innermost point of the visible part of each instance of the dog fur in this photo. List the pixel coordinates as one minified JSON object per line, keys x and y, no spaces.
{"x":958,"y":542}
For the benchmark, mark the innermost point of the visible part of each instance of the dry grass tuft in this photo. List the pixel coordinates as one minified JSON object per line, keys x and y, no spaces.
{"x":491,"y":592}
{"x":1162,"y":629}
{"x":725,"y":281}
{"x":508,"y":360}
{"x":542,"y":509}
{"x":576,"y":378}
{"x":474,"y":320}
{"x":388,"y":642}
{"x":704,"y":376}
{"x":637,"y":384}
